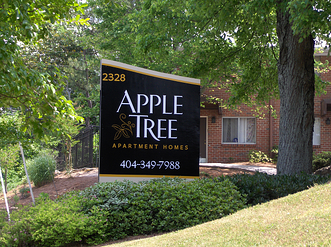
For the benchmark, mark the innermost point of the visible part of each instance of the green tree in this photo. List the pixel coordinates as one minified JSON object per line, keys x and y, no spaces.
{"x":36,"y":93}
{"x":8,"y":159}
{"x":257,"y":48}
{"x":71,"y":129}
{"x":10,"y":128}
{"x":65,"y":51}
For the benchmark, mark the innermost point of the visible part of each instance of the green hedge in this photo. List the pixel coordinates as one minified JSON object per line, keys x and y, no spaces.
{"x":115,"y":210}
{"x":261,"y":187}
{"x":162,"y":205}
{"x":321,"y":160}
{"x":119,"y":209}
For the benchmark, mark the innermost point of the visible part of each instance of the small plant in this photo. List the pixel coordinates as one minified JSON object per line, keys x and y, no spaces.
{"x":42,"y":169}
{"x":43,"y":197}
{"x":321,"y":160}
{"x":25,"y":192}
{"x":16,"y":199}
{"x":274,"y":152}
{"x":258,"y":156}
{"x":205,"y":174}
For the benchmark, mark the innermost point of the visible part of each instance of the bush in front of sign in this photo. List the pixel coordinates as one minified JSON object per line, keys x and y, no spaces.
{"x":118,"y":209}
{"x":161,"y":205}
{"x":189,"y":204}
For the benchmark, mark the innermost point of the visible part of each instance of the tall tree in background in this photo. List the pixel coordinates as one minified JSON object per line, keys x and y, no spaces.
{"x":36,"y":93}
{"x":67,"y":51}
{"x":261,"y":48}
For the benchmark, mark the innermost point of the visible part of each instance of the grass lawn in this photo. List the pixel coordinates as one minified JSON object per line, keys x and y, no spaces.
{"x":302,"y":219}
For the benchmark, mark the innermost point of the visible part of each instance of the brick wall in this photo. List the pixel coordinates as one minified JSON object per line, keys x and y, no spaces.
{"x":325,"y":129}
{"x":267,"y":128}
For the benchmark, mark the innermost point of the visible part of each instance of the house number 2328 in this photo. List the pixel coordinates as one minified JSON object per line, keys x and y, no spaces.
{"x":113,"y":77}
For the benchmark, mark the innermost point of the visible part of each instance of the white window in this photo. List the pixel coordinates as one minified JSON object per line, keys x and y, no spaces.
{"x":317,"y":132}
{"x":239,"y":130}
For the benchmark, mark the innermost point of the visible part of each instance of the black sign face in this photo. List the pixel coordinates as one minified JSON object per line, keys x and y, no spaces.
{"x":149,"y":124}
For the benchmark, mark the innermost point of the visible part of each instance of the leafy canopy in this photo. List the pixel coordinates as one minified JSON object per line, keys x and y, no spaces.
{"x":37,"y":94}
{"x":232,"y":43}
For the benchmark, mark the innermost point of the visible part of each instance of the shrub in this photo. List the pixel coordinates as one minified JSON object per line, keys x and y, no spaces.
{"x":261,"y":187}
{"x":25,"y":192}
{"x":161,"y":205}
{"x":258,"y":156}
{"x":118,"y":209}
{"x":52,"y":223}
{"x":115,"y":210}
{"x":321,"y":160}
{"x":42,"y":169}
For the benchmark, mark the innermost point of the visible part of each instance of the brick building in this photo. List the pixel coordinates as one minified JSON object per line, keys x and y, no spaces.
{"x":228,"y":135}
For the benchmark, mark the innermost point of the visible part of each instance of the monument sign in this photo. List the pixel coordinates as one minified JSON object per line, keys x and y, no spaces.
{"x":149,"y":124}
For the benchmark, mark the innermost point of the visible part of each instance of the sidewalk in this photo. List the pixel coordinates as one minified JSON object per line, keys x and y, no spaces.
{"x":268,"y":170}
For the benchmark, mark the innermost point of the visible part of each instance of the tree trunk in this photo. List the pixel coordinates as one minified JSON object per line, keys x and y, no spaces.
{"x":89,"y":102}
{"x":296,"y":81}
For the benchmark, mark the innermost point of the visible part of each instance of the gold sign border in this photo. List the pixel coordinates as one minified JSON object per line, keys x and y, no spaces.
{"x":148,"y":72}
